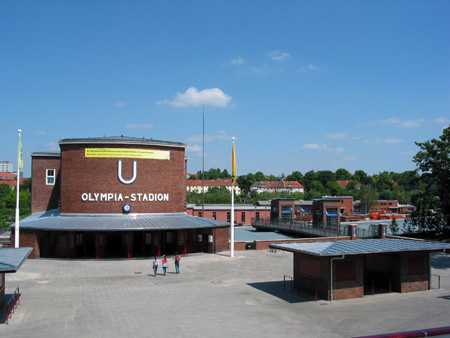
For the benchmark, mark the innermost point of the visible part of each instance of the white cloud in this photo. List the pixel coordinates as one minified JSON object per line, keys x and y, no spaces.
{"x":193,"y":97}
{"x":278,"y":56}
{"x":440,"y":120}
{"x":384,"y":141}
{"x":38,"y":132}
{"x":336,"y":136}
{"x":53,"y":146}
{"x":237,"y":62}
{"x":411,"y":123}
{"x":119,"y":104}
{"x":199,"y":138}
{"x":222,"y":135}
{"x":311,"y":68}
{"x":314,"y":146}
{"x":145,"y":126}
{"x":323,"y":147}
{"x":195,"y":148}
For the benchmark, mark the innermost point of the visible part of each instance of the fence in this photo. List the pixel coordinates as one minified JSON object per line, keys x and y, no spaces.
{"x":298,"y":227}
{"x":11,"y":306}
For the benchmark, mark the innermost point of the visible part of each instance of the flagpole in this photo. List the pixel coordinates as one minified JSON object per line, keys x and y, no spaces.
{"x":19,"y":164}
{"x":233,"y":173}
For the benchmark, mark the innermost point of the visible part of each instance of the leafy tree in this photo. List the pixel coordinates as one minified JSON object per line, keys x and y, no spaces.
{"x":325,"y":176}
{"x":433,"y":161}
{"x":394,"y":227}
{"x":259,"y":176}
{"x":310,"y":177}
{"x":343,"y":174}
{"x":362,"y":177}
{"x":296,"y":176}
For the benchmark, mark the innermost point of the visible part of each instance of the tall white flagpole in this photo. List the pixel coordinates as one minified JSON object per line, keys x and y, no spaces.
{"x":19,"y":165}
{"x":233,"y":173}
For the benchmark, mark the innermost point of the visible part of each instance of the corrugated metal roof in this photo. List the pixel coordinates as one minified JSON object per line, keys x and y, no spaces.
{"x":107,"y":222}
{"x":359,"y":247}
{"x":11,"y":259}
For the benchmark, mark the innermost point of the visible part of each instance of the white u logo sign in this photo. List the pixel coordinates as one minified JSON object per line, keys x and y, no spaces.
{"x":119,"y":173}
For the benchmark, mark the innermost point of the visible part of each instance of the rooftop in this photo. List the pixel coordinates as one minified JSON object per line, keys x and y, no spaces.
{"x":53,"y":220}
{"x":361,"y":246}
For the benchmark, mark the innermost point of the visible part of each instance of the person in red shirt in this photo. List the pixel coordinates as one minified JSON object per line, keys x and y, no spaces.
{"x":165,"y":264}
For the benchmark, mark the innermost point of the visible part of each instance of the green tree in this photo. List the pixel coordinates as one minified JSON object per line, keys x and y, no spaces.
{"x":433,"y":205}
{"x":325,"y":176}
{"x":343,"y":174}
{"x":296,"y":176}
{"x":259,"y":176}
{"x":394,"y":227}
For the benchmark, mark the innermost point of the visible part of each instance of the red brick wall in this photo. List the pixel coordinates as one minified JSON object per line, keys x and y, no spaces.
{"x":346,"y":289}
{"x":28,"y":238}
{"x":414,"y":282}
{"x":43,"y":196}
{"x":221,"y":239}
{"x":82,"y":175}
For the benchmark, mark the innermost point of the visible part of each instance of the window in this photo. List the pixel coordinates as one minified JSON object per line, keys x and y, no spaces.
{"x":257,"y":216}
{"x":50,"y":176}
{"x":148,"y":238}
{"x":228,"y":217}
{"x":214,"y":216}
{"x":199,"y":214}
{"x":243,"y":217}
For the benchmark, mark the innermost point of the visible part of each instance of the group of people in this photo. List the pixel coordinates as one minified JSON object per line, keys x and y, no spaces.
{"x":165,"y":264}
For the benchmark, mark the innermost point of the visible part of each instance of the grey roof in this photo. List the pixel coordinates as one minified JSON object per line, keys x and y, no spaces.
{"x":250,"y":234}
{"x":11,"y":259}
{"x":361,"y":246}
{"x":52,"y":220}
{"x":46,"y":154}
{"x":121,"y":140}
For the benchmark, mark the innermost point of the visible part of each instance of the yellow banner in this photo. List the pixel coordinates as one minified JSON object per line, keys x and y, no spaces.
{"x":127,"y":153}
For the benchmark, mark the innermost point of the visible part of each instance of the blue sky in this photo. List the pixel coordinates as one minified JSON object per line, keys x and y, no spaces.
{"x":302,"y":85}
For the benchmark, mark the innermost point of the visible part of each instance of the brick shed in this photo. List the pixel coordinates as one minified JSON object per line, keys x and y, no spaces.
{"x":341,"y":269}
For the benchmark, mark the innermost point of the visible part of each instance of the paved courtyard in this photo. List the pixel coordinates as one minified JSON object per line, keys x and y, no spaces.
{"x":213,"y":296}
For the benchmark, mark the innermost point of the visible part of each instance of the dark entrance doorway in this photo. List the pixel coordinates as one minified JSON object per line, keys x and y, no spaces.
{"x":378,"y":274}
{"x":113,"y":244}
{"x":168,"y":242}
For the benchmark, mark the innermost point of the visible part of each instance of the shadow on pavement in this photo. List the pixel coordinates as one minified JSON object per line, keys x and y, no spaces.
{"x":276,"y":288}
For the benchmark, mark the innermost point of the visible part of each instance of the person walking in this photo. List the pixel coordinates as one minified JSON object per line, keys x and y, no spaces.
{"x":155,"y":266}
{"x":165,"y":264}
{"x":177,"y":263}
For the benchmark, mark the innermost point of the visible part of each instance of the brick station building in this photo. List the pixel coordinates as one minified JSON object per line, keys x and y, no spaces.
{"x":114,"y":197}
{"x":343,"y":269}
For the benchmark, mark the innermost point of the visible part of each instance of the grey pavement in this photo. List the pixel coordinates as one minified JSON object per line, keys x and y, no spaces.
{"x":213,"y":296}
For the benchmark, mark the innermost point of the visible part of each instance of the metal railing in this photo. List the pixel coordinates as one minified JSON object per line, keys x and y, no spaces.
{"x":297,"y":227}
{"x":11,"y":306}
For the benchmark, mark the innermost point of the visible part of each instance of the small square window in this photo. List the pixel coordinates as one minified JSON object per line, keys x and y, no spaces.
{"x":50,"y":176}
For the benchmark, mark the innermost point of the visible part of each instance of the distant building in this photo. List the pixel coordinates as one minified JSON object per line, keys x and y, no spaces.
{"x":6,"y":167}
{"x":10,"y":179}
{"x":196,"y":185}
{"x":277,"y":186}
{"x":345,"y":183}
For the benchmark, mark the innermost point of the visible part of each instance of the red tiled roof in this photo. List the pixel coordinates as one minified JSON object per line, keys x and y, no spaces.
{"x":344,"y":183}
{"x":218,"y":182}
{"x":281,"y":184}
{"x":7,"y":176}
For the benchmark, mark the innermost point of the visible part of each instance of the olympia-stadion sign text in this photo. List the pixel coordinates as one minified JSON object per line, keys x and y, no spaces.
{"x":126,"y":153}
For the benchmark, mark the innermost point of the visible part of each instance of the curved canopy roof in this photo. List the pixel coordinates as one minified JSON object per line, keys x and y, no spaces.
{"x":53,"y":220}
